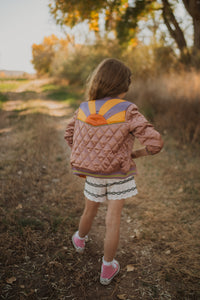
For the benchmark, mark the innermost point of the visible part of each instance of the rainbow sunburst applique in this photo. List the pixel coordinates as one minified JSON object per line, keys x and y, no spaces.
{"x":103,"y":112}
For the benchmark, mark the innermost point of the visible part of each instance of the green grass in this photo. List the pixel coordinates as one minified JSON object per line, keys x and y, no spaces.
{"x":59,"y":93}
{"x":13,"y":79}
{"x":50,"y":87}
{"x":3,"y":98}
{"x":10,"y":85}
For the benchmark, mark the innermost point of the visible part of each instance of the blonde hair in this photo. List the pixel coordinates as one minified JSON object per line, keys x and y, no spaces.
{"x":109,"y":79}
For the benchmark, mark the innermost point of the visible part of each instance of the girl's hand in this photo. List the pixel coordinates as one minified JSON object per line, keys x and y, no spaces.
{"x":139,"y":153}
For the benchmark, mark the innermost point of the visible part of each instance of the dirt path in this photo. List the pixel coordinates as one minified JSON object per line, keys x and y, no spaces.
{"x":33,"y":85}
{"x":41,"y":202}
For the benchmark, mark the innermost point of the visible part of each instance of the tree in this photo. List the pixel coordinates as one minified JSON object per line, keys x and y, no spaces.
{"x":173,"y":26}
{"x":193,"y":8}
{"x":44,"y":53}
{"x":118,"y":14}
{"x":123,"y":16}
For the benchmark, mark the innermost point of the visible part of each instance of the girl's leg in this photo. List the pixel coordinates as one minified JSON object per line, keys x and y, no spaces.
{"x":87,"y":217}
{"x":113,"y":218}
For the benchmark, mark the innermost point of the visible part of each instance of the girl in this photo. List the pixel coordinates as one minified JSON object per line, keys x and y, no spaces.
{"x":101,"y":136}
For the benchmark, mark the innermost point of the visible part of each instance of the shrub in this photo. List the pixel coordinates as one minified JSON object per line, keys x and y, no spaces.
{"x":172,"y":103}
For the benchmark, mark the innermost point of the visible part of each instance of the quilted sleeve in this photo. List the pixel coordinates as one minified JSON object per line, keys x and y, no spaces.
{"x":143,"y":130}
{"x":69,"y":132}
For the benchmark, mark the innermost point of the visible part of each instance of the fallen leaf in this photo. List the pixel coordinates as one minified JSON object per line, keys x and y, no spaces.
{"x":180,"y":190}
{"x":11,"y":280}
{"x":121,"y":297}
{"x":137,"y":233}
{"x":130,"y":268}
{"x":19,"y":206}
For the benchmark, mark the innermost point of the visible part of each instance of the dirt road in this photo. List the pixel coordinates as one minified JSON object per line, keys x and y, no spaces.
{"x":41,"y":202}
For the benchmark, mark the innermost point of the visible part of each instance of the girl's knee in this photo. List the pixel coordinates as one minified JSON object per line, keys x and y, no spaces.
{"x":112,"y":220}
{"x":113,"y":215}
{"x":91,"y":210}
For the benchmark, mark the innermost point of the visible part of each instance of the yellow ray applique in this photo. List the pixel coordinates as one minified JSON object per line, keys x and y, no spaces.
{"x":81,"y":115}
{"x":108,"y":105}
{"x":117,"y":118}
{"x":92,"y":107}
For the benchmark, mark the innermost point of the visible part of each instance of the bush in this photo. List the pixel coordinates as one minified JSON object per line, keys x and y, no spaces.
{"x":82,"y":60}
{"x":172,"y":103}
{"x":168,"y":98}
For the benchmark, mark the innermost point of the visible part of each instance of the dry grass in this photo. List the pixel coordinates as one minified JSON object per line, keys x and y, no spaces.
{"x":172,"y":102}
{"x":41,"y":203}
{"x":166,"y":213}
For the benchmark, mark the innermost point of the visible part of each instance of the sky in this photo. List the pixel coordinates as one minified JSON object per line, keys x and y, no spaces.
{"x":23,"y":23}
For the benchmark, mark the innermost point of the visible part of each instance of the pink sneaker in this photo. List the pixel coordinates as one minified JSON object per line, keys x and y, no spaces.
{"x":109,"y":272}
{"x":79,"y":244}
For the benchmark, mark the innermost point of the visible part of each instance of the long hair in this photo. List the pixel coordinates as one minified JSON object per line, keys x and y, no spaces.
{"x":109,"y":79}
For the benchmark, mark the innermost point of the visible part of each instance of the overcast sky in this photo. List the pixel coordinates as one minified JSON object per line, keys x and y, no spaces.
{"x":22,"y":23}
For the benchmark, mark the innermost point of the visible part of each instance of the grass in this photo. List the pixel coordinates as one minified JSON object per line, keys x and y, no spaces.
{"x":71,"y":95}
{"x":8,"y":86}
{"x":172,"y":103}
{"x":3,"y":98}
{"x":12,"y":79}
{"x":50,"y":87}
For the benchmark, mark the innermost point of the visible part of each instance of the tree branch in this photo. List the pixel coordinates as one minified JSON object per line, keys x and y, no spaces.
{"x":173,"y":26}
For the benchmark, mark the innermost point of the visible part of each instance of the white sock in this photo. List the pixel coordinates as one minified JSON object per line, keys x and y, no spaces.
{"x":107,"y":263}
{"x":77,"y":234}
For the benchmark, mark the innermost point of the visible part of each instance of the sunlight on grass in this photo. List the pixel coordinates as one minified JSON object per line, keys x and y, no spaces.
{"x":33,"y":106}
{"x":13,"y":79}
{"x":10,"y":85}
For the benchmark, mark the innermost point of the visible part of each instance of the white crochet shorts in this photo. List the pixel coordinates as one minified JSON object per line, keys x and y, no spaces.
{"x":100,"y":189}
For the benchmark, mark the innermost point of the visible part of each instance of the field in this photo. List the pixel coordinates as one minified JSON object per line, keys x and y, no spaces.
{"x":41,"y":202}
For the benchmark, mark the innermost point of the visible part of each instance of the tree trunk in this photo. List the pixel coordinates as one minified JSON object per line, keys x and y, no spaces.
{"x":196,"y":24}
{"x":173,"y":27}
{"x":193,"y":8}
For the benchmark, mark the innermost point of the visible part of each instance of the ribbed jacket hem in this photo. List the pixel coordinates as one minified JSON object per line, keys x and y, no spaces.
{"x":82,"y":173}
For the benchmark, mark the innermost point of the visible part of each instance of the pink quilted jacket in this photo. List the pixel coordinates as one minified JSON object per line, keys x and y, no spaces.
{"x":101,"y":136}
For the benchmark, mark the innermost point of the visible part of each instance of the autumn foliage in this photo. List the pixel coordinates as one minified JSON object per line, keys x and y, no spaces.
{"x":44,"y":53}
